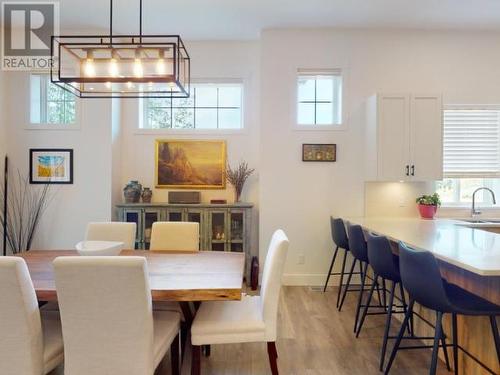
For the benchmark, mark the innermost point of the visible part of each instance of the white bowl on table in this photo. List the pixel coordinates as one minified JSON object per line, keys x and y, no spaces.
{"x":99,"y":248}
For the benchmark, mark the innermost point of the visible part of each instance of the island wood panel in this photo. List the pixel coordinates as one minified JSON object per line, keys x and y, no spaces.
{"x":474,"y":333}
{"x":173,"y":276}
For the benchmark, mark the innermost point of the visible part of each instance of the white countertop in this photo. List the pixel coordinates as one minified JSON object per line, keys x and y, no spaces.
{"x":452,"y":241}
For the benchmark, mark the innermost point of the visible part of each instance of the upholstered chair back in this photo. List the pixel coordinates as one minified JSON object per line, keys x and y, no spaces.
{"x":106,"y":313}
{"x":112,"y":231}
{"x":172,"y":235}
{"x":271,"y":281}
{"x":21,"y":352}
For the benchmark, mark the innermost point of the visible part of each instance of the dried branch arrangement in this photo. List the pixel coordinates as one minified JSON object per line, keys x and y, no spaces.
{"x":25,"y":206}
{"x":238,"y":176}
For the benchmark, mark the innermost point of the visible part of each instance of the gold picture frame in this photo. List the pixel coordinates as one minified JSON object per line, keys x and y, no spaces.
{"x":190,"y":164}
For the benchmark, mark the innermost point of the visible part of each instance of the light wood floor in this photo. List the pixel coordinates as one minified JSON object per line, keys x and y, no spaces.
{"x":314,"y":338}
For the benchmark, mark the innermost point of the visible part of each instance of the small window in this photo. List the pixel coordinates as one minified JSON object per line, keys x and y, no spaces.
{"x":319,"y":98}
{"x":50,"y":104}
{"x":210,"y":106}
{"x":471,"y":154}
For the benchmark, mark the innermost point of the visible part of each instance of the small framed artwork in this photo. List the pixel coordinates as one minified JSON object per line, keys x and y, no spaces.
{"x":319,"y":152}
{"x":51,"y":166}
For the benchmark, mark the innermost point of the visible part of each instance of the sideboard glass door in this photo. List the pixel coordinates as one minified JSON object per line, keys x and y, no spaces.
{"x":218,"y":234}
{"x":236,"y":230}
{"x":134,"y":216}
{"x":150,"y":217}
{"x":175,"y":215}
{"x":196,"y":216}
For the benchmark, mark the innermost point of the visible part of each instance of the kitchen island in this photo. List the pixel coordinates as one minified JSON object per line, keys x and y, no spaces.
{"x":469,"y":256}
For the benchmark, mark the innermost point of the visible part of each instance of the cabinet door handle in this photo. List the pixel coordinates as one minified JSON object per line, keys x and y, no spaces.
{"x":413,"y":170}
{"x":407,"y":170}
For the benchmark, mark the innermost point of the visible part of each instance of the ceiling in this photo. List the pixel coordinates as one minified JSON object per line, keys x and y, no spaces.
{"x":244,"y":19}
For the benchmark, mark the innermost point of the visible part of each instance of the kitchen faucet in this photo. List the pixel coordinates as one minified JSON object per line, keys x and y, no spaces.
{"x":474,"y":210}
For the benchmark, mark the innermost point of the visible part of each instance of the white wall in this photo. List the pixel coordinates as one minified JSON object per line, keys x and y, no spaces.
{"x":299,"y":197}
{"x":89,"y":198}
{"x":3,"y":143}
{"x":210,"y":60}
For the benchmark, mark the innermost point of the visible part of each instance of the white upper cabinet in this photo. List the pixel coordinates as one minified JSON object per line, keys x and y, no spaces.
{"x":404,"y":137}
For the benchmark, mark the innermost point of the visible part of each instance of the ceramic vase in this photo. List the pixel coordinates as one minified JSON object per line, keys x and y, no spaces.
{"x":147,"y":194}
{"x":132,"y":192}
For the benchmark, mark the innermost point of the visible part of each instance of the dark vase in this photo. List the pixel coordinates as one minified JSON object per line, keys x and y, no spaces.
{"x":132,"y":192}
{"x":147,"y":194}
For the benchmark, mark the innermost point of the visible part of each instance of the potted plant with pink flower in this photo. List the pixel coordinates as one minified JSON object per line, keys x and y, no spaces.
{"x":428,"y":205}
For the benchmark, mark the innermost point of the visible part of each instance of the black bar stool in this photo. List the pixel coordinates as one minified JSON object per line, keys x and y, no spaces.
{"x":340,"y":240}
{"x":357,"y":246}
{"x":421,"y":277}
{"x":385,"y":265}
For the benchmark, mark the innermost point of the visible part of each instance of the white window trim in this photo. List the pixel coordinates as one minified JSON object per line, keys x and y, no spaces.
{"x":139,"y":130}
{"x":50,"y":126}
{"x":344,"y":73}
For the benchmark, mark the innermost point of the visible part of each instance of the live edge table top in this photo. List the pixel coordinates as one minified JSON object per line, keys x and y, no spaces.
{"x":173,"y":276}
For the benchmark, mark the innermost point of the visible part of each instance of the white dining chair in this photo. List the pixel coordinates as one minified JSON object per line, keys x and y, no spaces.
{"x":173,"y":235}
{"x":31,"y":340}
{"x":112,"y":231}
{"x":253,"y":319}
{"x":107,"y":319}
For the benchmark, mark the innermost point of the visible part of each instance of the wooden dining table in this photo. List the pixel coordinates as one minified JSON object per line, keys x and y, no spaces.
{"x":173,"y":275}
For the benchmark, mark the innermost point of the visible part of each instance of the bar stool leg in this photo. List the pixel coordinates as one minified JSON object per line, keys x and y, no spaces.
{"x":347,"y":284}
{"x":384,"y":295}
{"x":378,"y":295}
{"x":437,"y":337}
{"x":494,"y":331}
{"x":367,"y":306}
{"x":341,"y":277}
{"x":445,"y":350}
{"x":330,"y":269}
{"x":361,"y":292}
{"x":454,"y":329}
{"x":409,"y":312}
{"x":387,"y":325}
{"x":405,"y":308}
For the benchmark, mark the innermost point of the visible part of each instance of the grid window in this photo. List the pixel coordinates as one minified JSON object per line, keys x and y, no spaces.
{"x":51,"y":104}
{"x":319,"y":99}
{"x":210,"y":106}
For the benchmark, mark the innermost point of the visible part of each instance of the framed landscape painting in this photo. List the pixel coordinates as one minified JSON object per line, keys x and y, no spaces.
{"x":190,"y":164}
{"x":51,"y":166}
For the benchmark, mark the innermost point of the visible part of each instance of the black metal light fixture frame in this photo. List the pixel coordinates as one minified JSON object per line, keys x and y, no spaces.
{"x":80,"y":85}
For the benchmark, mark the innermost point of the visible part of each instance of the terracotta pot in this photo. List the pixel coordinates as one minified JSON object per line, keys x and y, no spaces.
{"x":147,"y":194}
{"x":427,"y":211}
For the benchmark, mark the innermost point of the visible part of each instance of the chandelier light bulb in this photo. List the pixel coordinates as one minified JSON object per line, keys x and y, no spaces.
{"x":129,"y":85}
{"x":113,"y":68}
{"x":89,"y":68}
{"x":161,"y":68}
{"x":138,"y":71}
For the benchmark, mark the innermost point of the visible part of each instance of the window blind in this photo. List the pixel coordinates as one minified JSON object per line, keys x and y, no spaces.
{"x":471,"y":144}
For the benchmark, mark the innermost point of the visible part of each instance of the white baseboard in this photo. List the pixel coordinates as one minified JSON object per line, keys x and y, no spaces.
{"x":314,"y":280}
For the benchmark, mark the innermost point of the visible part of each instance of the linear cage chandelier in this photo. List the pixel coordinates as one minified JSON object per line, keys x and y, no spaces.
{"x":121,"y":66}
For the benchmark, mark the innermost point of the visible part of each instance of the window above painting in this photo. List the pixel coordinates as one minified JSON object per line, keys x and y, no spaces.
{"x":319,"y":98}
{"x":50,"y":105}
{"x":211,"y":106}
